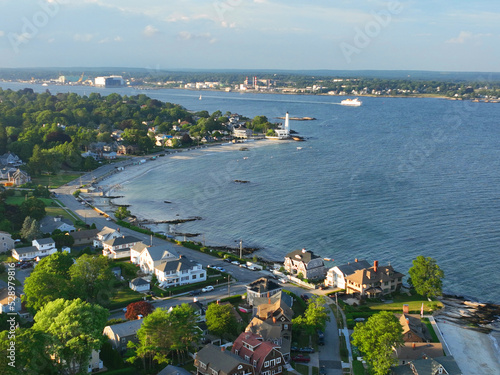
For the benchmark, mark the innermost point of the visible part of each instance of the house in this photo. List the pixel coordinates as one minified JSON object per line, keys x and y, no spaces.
{"x":120,"y":334}
{"x":305,"y":262}
{"x":18,"y":177}
{"x":242,"y":132}
{"x":214,"y":360}
{"x":93,"y":364}
{"x":40,"y":248}
{"x":50,"y":223}
{"x":83,"y":237}
{"x":10,"y":303}
{"x":153,"y":256}
{"x":413,"y":329}
{"x":106,"y":234}
{"x":139,"y":285}
{"x":179,"y":271}
{"x":235,"y":313}
{"x":430,"y":366}
{"x":119,"y":247}
{"x":418,"y":350}
{"x":374,"y":281}
{"x":127,"y":149}
{"x":335,"y":276}
{"x":6,"y":242}
{"x":264,"y":356}
{"x":10,"y":160}
{"x":274,"y":323}
{"x":262,"y":288}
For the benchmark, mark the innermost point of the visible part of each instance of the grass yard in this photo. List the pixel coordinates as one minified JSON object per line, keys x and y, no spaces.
{"x":5,"y":277}
{"x":301,"y":368}
{"x":58,"y":211}
{"x":414,"y":303}
{"x":430,"y":328}
{"x":54,"y":181}
{"x":358,"y":367}
{"x":124,"y":296}
{"x":17,"y":201}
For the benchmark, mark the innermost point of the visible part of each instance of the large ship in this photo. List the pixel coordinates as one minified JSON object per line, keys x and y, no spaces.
{"x":351,"y":102}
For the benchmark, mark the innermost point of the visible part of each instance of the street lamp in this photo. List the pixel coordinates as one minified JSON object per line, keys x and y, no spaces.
{"x":241,"y":248}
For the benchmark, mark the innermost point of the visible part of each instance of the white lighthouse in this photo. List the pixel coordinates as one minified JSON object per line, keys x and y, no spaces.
{"x":284,"y":132}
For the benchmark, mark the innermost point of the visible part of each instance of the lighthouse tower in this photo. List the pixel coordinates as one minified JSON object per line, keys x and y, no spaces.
{"x":287,"y":125}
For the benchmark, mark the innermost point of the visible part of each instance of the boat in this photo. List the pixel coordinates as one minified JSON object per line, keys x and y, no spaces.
{"x":299,"y":148}
{"x":351,"y":102}
{"x":297,"y":138}
{"x":199,"y":98}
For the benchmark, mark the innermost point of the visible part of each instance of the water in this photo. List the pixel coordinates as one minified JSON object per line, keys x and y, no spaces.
{"x":388,"y":181}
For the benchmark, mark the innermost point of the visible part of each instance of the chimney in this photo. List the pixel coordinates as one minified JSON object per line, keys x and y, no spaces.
{"x":408,"y":321}
{"x":375,"y":266}
{"x":413,"y":345}
{"x":222,"y":348}
{"x":274,"y":319}
{"x":304,"y":250}
{"x":406,"y":309}
{"x":356,"y":260}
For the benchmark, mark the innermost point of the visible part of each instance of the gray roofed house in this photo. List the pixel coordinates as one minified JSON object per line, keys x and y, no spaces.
{"x":41,"y":247}
{"x":83,"y":237}
{"x":121,"y":334}
{"x":151,"y":257}
{"x":374,"y":281}
{"x":139,"y":285}
{"x":216,"y":360}
{"x":261,"y":288}
{"x":305,"y":262}
{"x":430,"y":366}
{"x":174,"y":370}
{"x":336,"y":275}
{"x":179,"y":271}
{"x":50,"y":223}
{"x":119,"y":247}
{"x":106,"y":234}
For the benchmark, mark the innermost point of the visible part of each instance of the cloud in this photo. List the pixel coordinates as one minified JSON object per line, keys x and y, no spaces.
{"x":466,"y":36}
{"x":110,"y":40}
{"x":186,"y":35}
{"x":83,"y":37}
{"x":2,"y":33}
{"x":150,"y":31}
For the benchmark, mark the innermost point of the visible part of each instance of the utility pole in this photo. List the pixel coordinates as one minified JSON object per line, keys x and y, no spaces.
{"x":241,"y":248}
{"x":228,"y":286}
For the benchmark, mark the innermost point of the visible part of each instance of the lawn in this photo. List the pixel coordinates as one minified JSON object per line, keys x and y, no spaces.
{"x":54,"y":181}
{"x":58,"y":211}
{"x":358,"y":367}
{"x":124,"y":296}
{"x":414,"y":303}
{"x":301,"y":368}
{"x":17,"y":201}
{"x":430,"y":328}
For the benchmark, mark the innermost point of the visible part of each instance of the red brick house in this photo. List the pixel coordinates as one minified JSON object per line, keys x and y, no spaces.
{"x":264,"y":356}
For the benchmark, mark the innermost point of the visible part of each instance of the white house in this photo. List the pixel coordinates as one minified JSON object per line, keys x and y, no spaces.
{"x":40,"y":248}
{"x":336,"y":276}
{"x":6,"y":242}
{"x":179,"y":271}
{"x":153,"y":256}
{"x":106,"y":234}
{"x":119,"y":247}
{"x":139,"y":285}
{"x":9,"y":303}
{"x":305,"y":262}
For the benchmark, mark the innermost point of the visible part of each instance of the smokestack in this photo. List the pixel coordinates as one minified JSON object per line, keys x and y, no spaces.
{"x":375,"y":266}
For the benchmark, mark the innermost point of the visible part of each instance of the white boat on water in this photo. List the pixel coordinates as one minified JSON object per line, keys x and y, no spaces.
{"x":351,"y":102}
{"x":199,"y":98}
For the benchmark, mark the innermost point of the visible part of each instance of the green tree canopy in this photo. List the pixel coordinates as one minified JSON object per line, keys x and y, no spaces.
{"x":376,"y":340}
{"x":34,"y":208}
{"x":91,"y":278}
{"x":221,"y":320}
{"x":426,"y":276}
{"x":75,"y":328}
{"x":30,"y":229}
{"x":315,"y":316}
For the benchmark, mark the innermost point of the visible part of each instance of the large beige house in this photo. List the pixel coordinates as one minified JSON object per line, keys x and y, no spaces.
{"x":305,"y":262}
{"x":374,"y":281}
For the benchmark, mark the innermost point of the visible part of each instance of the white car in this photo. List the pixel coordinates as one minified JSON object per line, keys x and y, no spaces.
{"x":207,"y":289}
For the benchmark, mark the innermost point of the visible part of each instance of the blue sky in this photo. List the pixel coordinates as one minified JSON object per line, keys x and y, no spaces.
{"x":442,"y":35}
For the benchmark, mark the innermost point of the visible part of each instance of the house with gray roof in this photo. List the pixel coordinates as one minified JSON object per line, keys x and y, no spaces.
{"x":40,"y":248}
{"x":120,"y":334}
{"x":174,"y":370}
{"x":430,"y":366}
{"x":106,"y":234}
{"x":139,"y":284}
{"x":6,"y":242}
{"x":262,"y":288}
{"x":152,"y":256}
{"x":217,"y":360}
{"x":50,"y":223}
{"x":305,"y":262}
{"x":335,"y":276}
{"x":119,"y":247}
{"x":374,"y":281}
{"x":179,"y":271}
{"x":84,"y":237}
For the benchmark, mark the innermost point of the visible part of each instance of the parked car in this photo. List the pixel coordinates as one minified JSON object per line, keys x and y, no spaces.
{"x":307,"y":350}
{"x":321,"y":337}
{"x":243,"y":265}
{"x":207,"y":289}
{"x":305,"y":297}
{"x":301,"y":358}
{"x":283,"y":280}
{"x":195,"y":292}
{"x":322,"y":370}
{"x":210,"y":266}
{"x":222,"y":269}
{"x":359,"y":320}
{"x":294,"y":349}
{"x":227,"y":260}
{"x":235,"y":262}
{"x":26,"y":265}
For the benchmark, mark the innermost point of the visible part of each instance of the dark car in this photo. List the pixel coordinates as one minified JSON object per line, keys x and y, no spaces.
{"x":26,"y":265}
{"x":305,"y":297}
{"x":195,"y":292}
{"x":322,"y":370}
{"x":321,"y":337}
{"x":307,"y":350}
{"x":295,"y":349}
{"x":301,"y":358}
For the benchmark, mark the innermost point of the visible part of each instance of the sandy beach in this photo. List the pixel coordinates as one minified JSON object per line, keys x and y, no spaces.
{"x":475,"y":353}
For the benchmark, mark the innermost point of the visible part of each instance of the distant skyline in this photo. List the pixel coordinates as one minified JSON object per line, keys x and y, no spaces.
{"x":434,"y":35}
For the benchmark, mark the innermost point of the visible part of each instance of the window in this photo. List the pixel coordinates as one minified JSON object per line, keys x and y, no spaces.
{"x":236,"y":352}
{"x":247,"y":358}
{"x":214,"y":372}
{"x":203,"y":365}
{"x":194,"y":277}
{"x":266,"y":364}
{"x":278,"y":360}
{"x":254,"y":363}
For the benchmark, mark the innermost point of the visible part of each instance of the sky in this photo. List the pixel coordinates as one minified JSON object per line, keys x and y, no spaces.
{"x":436,"y":35}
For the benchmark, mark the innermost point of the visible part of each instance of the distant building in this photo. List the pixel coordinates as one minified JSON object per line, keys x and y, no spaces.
{"x":119,"y":247}
{"x":179,"y":271}
{"x":336,"y":276}
{"x":120,"y":334}
{"x":50,"y":223}
{"x":6,"y":242}
{"x":430,"y":366}
{"x":264,"y":356}
{"x":109,"y":81}
{"x":305,"y":262}
{"x":84,"y":237}
{"x":214,"y":360}
{"x":261,"y":289}
{"x":40,"y":248}
{"x":104,"y":235}
{"x":413,"y":329}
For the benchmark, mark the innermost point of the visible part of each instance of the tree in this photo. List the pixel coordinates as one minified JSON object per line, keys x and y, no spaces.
{"x":315,"y":316}
{"x":63,"y":239}
{"x":376,"y":339}
{"x":92,"y":278}
{"x":30,"y":229}
{"x":34,"y":208}
{"x":75,"y":328}
{"x":49,"y":281}
{"x":122,"y":212}
{"x":164,"y":333}
{"x":138,"y":308}
{"x":426,"y":276}
{"x":221,"y":320}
